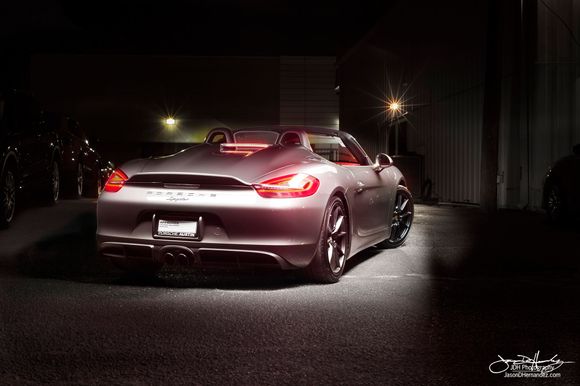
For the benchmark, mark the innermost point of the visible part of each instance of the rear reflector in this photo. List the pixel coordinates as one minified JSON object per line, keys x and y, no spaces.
{"x":289,"y":186}
{"x":116,"y":181}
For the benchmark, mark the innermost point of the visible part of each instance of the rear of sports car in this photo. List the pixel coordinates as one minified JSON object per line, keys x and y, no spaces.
{"x":154,"y":215}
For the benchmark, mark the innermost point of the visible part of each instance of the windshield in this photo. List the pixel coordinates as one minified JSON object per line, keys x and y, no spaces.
{"x":332,"y":148}
{"x":263,"y":137}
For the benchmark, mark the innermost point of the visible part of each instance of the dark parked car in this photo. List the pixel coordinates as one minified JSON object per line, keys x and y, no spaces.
{"x":29,"y":154}
{"x":81,"y":164}
{"x":561,"y":198}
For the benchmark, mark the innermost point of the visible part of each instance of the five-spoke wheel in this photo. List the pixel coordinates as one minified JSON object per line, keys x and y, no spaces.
{"x":336,"y":242}
{"x":402,"y":219}
{"x":328,"y":264}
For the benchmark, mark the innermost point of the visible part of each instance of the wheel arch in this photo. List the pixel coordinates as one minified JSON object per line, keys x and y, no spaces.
{"x":11,"y":160}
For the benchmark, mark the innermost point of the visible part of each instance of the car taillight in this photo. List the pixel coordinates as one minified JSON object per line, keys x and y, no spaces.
{"x":116,"y":181}
{"x":292,"y":185}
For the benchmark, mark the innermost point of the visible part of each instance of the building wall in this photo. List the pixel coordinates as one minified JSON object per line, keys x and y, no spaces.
{"x":440,"y":69}
{"x":543,"y":125}
{"x":554,"y":126}
{"x":446,"y":124}
{"x":307,"y":94}
{"x":363,"y":78}
{"x":126,"y":98}
{"x":438,"y":73}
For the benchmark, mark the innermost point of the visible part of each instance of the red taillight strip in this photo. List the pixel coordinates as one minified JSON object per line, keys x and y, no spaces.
{"x":116,"y":181}
{"x":289,"y":186}
{"x":242,"y":148}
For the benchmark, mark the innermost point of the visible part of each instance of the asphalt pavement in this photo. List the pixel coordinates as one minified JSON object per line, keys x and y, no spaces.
{"x":464,"y":289}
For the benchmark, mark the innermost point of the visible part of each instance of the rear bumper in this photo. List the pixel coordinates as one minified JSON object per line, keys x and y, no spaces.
{"x":204,"y":256}
{"x":240,"y":227}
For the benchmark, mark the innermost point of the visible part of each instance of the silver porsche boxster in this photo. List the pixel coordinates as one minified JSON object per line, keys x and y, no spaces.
{"x":287,"y":197}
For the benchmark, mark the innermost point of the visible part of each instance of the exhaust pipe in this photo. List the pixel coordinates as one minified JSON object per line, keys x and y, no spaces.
{"x":169,"y":258}
{"x":183,"y":259}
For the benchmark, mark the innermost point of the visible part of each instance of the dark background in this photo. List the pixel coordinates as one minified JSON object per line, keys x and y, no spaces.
{"x":490,"y":93}
{"x":490,"y":88}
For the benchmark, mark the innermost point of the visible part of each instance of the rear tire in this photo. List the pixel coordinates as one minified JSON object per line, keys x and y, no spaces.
{"x":402,"y":220}
{"x":7,"y":197}
{"x":52,"y":191}
{"x":79,"y":181}
{"x":73,"y":185}
{"x":96,"y":186}
{"x":329,"y":261}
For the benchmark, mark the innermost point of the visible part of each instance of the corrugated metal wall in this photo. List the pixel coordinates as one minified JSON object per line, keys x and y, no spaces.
{"x":551,"y":126}
{"x":307,"y":94}
{"x":445,"y":126}
{"x":554,"y":128}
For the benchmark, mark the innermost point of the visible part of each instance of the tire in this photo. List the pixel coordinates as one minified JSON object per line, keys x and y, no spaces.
{"x":402,"y":219}
{"x":329,"y":261}
{"x":7,"y":197}
{"x":94,"y":190}
{"x":79,"y":181}
{"x":138,"y":269}
{"x":73,"y":184}
{"x":52,"y":190}
{"x":555,"y":204}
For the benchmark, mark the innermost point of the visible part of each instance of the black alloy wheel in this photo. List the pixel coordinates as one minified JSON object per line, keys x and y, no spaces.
{"x":333,"y":247}
{"x":402,"y":219}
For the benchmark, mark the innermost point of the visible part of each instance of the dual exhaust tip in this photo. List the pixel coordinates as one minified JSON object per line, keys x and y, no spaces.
{"x":178,"y":256}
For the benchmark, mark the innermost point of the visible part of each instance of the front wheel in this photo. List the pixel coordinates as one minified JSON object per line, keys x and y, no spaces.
{"x":555,"y":204}
{"x":333,"y":246}
{"x":402,"y":219}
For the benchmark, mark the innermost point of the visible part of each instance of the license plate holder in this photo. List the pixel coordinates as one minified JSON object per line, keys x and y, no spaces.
{"x":177,"y":227}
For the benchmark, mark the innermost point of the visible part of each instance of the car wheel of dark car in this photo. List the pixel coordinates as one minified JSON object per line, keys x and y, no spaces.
{"x":73,"y":184}
{"x":7,"y":198}
{"x":96,"y":186}
{"x":333,"y":247}
{"x":402,"y":219}
{"x":80,"y":181}
{"x":555,"y":204}
{"x":53,"y":188}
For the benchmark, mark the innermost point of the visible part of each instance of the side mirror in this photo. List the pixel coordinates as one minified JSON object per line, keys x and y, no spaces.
{"x":382,"y":161}
{"x":576,"y":149}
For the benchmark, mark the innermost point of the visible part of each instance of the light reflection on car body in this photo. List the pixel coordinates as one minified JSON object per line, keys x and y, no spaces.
{"x":252,"y":215}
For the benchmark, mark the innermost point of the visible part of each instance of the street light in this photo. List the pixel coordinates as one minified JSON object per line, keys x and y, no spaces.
{"x":394,"y":107}
{"x":170,"y":121}
{"x":395,"y":111}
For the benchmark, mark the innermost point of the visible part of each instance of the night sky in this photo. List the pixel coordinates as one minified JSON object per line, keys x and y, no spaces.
{"x":198,"y":27}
